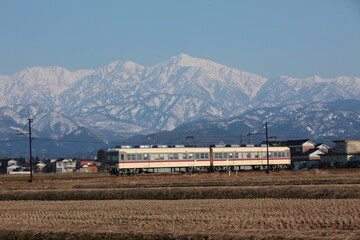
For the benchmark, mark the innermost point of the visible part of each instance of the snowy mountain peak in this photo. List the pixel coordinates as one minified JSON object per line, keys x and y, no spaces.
{"x":184,"y":60}
{"x":109,"y":68}
{"x":119,"y":66}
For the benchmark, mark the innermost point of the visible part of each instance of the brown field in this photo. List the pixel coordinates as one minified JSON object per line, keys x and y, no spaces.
{"x":322,"y":219}
{"x":316,"y":204}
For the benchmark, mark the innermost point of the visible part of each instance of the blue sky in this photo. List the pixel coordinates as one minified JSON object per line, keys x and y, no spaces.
{"x":267,"y":37}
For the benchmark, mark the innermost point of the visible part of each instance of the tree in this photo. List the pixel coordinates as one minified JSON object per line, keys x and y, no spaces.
{"x":100,"y":155}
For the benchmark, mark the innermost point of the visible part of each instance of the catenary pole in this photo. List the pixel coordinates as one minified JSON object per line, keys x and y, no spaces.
{"x":30,"y":145}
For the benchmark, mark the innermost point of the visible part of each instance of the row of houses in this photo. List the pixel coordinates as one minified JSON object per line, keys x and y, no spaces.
{"x":60,"y":165}
{"x":306,"y":154}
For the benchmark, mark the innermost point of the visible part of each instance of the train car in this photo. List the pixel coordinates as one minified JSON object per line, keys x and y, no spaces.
{"x":125,"y":160}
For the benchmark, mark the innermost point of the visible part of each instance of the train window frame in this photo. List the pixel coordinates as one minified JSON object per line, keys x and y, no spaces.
{"x":146,"y":156}
{"x":219,"y":155}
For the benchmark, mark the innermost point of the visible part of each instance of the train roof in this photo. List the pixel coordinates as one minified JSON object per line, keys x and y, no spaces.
{"x":197,"y":149}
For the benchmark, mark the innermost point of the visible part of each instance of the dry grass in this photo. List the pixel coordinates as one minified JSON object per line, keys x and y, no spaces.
{"x":249,"y":205}
{"x":273,"y":218}
{"x":176,"y":193}
{"x":101,"y":180}
{"x":318,"y":184}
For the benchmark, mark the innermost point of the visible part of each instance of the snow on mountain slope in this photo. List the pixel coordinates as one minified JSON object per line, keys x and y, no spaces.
{"x":125,"y":98}
{"x":50,"y":123}
{"x":290,"y":90}
{"x":37,"y":85}
{"x":162,"y":96}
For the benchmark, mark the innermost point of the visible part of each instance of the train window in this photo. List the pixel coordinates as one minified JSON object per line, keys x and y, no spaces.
{"x":161,"y":156}
{"x":146,"y":156}
{"x":287,"y":154}
{"x":225,"y":155}
{"x":231,"y":155}
{"x":191,"y":155}
{"x":206,"y":156}
{"x":248,"y":155}
{"x":171,"y":156}
{"x":122,"y":156}
{"x":184,"y":156}
{"x":256,"y":155}
{"x":156,"y":156}
{"x":197,"y":155}
{"x":263,"y":154}
{"x":112,"y":156}
{"x":138,"y":157}
{"x":283,"y":154}
{"x":176,"y":156}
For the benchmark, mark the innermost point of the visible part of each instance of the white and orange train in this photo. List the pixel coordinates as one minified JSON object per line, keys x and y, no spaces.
{"x":125,"y":160}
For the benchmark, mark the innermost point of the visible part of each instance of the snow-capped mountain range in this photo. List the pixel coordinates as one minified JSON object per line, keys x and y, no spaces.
{"x":124,"y":98}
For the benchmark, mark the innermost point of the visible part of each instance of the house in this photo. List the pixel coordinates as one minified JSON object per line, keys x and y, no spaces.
{"x":63,"y":165}
{"x":304,"y":152}
{"x":86,"y":165}
{"x":13,"y":168}
{"x":346,"y":154}
{"x":40,"y":166}
{"x":12,"y":162}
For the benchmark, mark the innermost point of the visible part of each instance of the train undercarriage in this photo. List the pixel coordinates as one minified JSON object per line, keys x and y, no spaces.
{"x":132,"y":171}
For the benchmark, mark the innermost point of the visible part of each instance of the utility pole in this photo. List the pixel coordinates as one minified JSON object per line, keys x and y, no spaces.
{"x":267,"y":144}
{"x":30,"y":144}
{"x":267,"y":148}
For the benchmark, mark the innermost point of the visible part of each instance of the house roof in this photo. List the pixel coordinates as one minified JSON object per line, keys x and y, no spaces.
{"x":298,"y":142}
{"x":322,"y":144}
